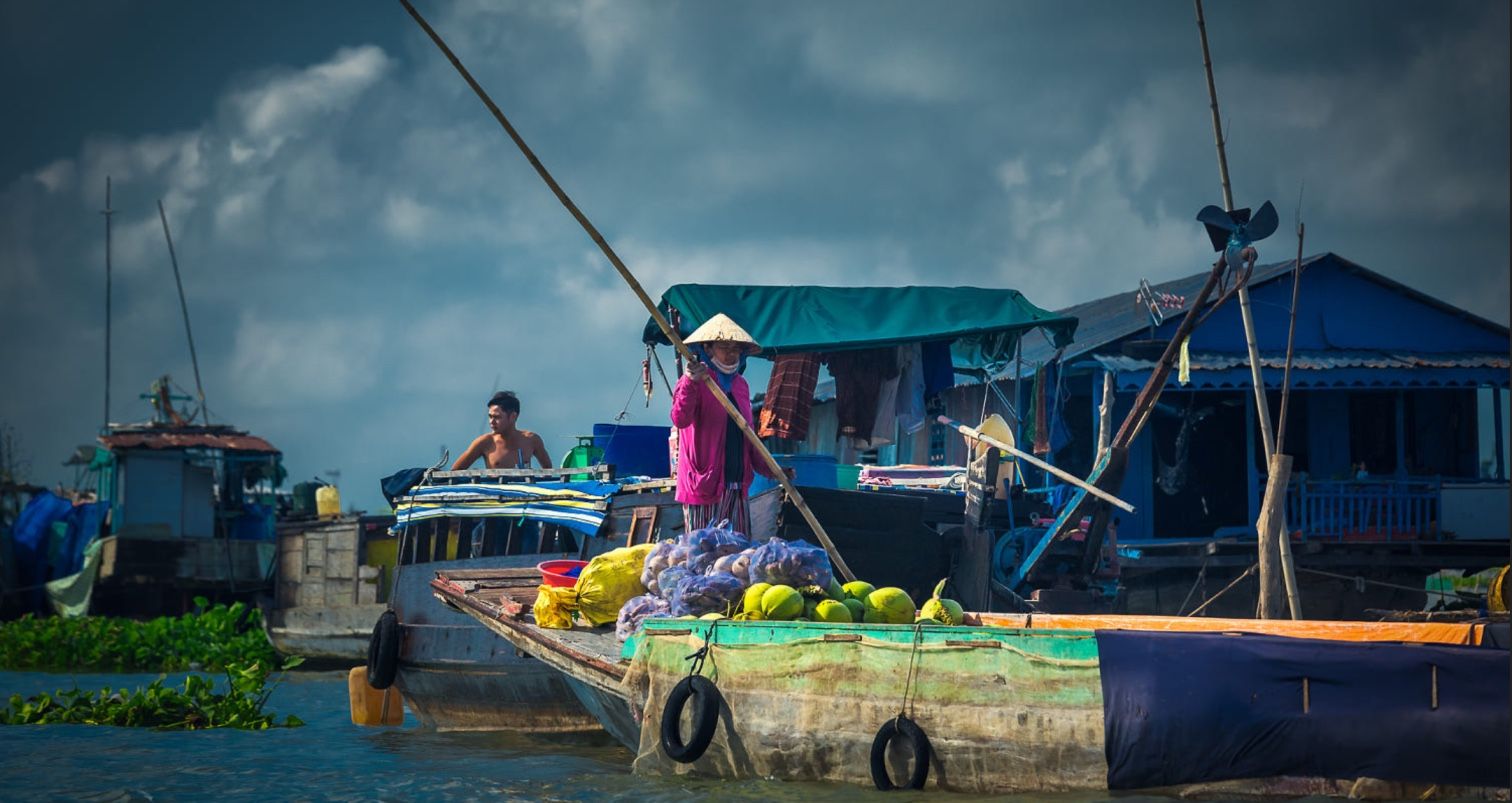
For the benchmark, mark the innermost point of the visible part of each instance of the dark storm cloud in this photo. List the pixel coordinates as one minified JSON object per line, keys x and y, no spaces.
{"x":366,"y":254}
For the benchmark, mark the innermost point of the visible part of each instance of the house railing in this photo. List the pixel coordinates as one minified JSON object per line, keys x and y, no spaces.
{"x":1366,"y":510}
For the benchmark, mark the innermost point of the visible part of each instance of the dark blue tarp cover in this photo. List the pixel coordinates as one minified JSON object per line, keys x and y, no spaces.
{"x":1193,"y":707}
{"x":37,"y":558}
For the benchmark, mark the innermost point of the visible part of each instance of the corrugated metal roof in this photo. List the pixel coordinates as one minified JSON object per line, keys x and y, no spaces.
{"x":1319,"y":361}
{"x":1114,"y":317}
{"x":1107,"y":319}
{"x":188,"y":438}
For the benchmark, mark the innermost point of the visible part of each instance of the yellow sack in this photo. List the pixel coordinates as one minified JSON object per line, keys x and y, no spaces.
{"x":554,"y":606}
{"x":609,"y":581}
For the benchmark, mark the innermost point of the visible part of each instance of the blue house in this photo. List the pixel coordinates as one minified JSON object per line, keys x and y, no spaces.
{"x":1391,"y":390}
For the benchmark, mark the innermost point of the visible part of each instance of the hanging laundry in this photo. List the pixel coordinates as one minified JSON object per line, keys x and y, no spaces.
{"x":938,"y":373}
{"x":789,"y":397}
{"x":1041,"y":424}
{"x":885,"y":426}
{"x":910,"y":405}
{"x":858,"y":382}
{"x":1056,"y":393}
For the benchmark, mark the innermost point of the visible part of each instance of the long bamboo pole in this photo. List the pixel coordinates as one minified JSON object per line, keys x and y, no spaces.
{"x":972,"y":432}
{"x":635,"y":286}
{"x":1262,"y":407}
{"x":1288,"y":567}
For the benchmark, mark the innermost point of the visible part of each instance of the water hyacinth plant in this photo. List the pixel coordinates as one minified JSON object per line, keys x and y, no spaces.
{"x":212,"y":639}
{"x":194,"y":706}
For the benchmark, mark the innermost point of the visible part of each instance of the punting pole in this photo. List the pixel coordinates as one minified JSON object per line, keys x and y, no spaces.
{"x":183,"y":304}
{"x":107,"y":213}
{"x":971,"y":432}
{"x":1262,"y":407}
{"x":1288,"y":567}
{"x":661,"y":321}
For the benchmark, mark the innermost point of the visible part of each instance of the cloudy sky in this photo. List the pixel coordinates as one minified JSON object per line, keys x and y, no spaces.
{"x":367,"y":256}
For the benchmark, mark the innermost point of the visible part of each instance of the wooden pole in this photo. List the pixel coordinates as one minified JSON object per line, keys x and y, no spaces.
{"x":1282,"y":536}
{"x":1105,"y":414}
{"x":1038,"y":463}
{"x":635,"y":286}
{"x":1270,"y":598}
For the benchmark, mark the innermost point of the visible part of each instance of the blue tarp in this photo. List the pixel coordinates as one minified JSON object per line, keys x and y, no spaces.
{"x":1195,"y":707}
{"x":36,"y":559}
{"x":580,"y":506}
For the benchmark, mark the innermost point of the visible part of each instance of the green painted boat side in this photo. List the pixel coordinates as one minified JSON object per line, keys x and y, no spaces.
{"x":1005,"y":709}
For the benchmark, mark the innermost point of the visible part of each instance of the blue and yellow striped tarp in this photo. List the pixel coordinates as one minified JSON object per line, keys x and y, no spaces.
{"x":581,"y":506}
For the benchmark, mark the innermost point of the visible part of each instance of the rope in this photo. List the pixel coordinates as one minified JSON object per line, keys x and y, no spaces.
{"x":659,"y":369}
{"x":1201,"y":574}
{"x":1358,"y":580}
{"x":1224,"y":590}
{"x":697,"y":658}
{"x":913,"y":656}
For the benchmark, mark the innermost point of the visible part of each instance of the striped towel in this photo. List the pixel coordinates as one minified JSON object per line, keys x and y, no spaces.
{"x":581,"y":506}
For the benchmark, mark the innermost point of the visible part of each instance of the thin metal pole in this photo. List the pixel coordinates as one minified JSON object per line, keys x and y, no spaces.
{"x":107,"y":212}
{"x":635,"y":286}
{"x":184,"y":305}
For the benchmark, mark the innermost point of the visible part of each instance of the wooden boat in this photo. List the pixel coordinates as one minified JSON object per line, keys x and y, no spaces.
{"x":1048,"y":703}
{"x":452,"y":672}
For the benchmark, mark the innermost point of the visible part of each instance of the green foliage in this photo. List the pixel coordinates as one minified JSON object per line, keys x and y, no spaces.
{"x":195,"y":706}
{"x":212,"y":639}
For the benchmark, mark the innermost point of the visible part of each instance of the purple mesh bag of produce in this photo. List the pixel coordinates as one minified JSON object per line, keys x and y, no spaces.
{"x":792,"y":563}
{"x":701,"y":594}
{"x":637,"y":610}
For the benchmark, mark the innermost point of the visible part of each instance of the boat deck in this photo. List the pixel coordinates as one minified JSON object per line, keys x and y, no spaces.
{"x":502,"y":599}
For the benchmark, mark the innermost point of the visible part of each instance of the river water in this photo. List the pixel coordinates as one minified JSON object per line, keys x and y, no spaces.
{"x":332,"y":759}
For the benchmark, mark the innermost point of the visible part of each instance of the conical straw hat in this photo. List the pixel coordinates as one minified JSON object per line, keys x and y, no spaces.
{"x":721,"y":328}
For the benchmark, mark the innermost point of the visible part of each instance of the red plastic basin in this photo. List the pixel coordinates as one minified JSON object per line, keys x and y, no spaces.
{"x":561,"y":572}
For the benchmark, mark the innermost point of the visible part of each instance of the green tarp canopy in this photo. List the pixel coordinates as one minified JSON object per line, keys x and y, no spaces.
{"x":984,"y":324}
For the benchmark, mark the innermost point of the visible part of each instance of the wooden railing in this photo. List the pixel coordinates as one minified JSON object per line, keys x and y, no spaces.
{"x":1366,"y":510}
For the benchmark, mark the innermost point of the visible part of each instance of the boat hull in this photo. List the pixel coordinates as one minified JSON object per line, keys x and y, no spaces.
{"x":456,"y":675}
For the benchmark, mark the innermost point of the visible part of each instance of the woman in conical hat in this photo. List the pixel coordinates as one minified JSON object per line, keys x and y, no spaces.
{"x":714,"y":460}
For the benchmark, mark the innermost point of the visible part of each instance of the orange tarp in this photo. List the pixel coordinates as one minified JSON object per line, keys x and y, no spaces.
{"x":1419,"y":632}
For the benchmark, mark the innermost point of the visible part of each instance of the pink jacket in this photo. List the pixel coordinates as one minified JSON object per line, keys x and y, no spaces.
{"x":700,"y":422}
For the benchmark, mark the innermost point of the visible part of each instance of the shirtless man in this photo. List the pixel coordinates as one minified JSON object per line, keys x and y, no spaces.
{"x":504,"y":446}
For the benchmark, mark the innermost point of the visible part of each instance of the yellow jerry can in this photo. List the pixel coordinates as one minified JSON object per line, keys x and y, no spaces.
{"x":370,"y":706}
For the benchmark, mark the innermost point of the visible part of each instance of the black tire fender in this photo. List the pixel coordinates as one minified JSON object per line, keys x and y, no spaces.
{"x":706,"y":703}
{"x":894,"y":728}
{"x":383,"y":651}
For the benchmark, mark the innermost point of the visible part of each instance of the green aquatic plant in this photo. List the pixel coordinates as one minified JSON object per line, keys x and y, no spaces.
{"x":194,"y":706}
{"x":211,"y":639}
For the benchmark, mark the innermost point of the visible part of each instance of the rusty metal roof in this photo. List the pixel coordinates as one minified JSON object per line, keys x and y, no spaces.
{"x":188,"y":438}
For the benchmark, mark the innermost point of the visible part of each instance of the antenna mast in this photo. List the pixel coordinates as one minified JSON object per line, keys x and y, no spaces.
{"x":107,"y":213}
{"x":198,"y":388}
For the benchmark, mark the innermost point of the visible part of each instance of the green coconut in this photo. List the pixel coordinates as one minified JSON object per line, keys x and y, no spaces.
{"x":750,"y":616}
{"x":944,"y":611}
{"x":835,"y":591}
{"x":781,"y":602}
{"x":831,"y":611}
{"x":751,"y":602}
{"x":857,"y":589}
{"x":856,"y":607}
{"x":808,"y":608}
{"x":889,"y":606}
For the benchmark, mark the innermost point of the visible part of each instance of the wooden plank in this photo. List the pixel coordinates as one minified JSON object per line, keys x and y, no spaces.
{"x":642,"y":525}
